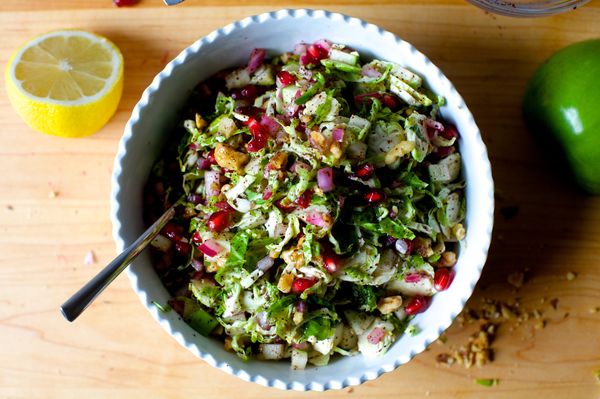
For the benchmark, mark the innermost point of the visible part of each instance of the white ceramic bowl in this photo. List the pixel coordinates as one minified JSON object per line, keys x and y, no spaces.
{"x":155,"y":115}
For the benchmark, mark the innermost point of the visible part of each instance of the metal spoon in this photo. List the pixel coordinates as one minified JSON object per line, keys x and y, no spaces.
{"x":172,"y":2}
{"x":75,"y":305}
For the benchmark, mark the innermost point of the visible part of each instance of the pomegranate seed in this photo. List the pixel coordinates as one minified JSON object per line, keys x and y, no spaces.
{"x":417,"y":304}
{"x":389,"y":101}
{"x":443,"y":278}
{"x":307,"y":59}
{"x":364,"y":171}
{"x":123,"y":3}
{"x":195,"y":198}
{"x":257,"y":144}
{"x":374,"y":196}
{"x":196,"y":239}
{"x":317,"y":52}
{"x":183,"y":248}
{"x":449,"y":132}
{"x":302,"y":284}
{"x":360,"y":98}
{"x":173,"y":232}
{"x":236,"y":94}
{"x":331,"y":260}
{"x":249,"y":92}
{"x":219,"y":221}
{"x":193,"y":146}
{"x":303,"y":201}
{"x":211,"y":157}
{"x":259,"y":136}
{"x":285,"y":78}
{"x":250,"y":111}
{"x":224,"y":206}
{"x":267,"y":194}
{"x":284,"y":205}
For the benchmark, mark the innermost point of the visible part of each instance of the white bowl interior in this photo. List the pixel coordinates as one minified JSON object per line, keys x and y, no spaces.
{"x":156,"y":114}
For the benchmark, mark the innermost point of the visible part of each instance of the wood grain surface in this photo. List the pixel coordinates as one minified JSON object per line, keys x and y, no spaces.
{"x":116,"y":350}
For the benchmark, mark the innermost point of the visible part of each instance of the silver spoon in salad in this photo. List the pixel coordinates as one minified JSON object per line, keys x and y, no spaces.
{"x":77,"y":303}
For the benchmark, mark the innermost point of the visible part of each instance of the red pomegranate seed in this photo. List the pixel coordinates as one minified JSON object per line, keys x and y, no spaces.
{"x":196,"y":239}
{"x":317,"y":52}
{"x":195,"y":198}
{"x":374,"y":196}
{"x":250,"y":111}
{"x":417,"y":304}
{"x":331,"y":260}
{"x":267,"y":194}
{"x":443,"y":278}
{"x":123,"y":3}
{"x":224,"y":206}
{"x":302,"y":284}
{"x":303,"y":201}
{"x":183,"y":248}
{"x":259,"y":136}
{"x":449,"y":132}
{"x":285,"y":78}
{"x":211,"y":157}
{"x":219,"y":221}
{"x":284,"y":205}
{"x":249,"y":92}
{"x":307,"y":59}
{"x":389,"y":101}
{"x":364,"y":171}
{"x":173,"y":232}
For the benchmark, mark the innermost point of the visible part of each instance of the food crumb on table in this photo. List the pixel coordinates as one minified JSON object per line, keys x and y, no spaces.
{"x":571,"y":276}
{"x":52,"y":194}
{"x":90,"y":258}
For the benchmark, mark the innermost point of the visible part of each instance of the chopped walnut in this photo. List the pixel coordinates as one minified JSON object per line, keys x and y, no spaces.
{"x":227,"y":157}
{"x":389,"y":304}
{"x":277,"y":161}
{"x":422,"y":246}
{"x":447,"y":259}
{"x":285,"y":282}
{"x":200,"y":122}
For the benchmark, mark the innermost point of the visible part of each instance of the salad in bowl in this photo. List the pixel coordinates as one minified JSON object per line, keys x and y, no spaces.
{"x":320,"y":205}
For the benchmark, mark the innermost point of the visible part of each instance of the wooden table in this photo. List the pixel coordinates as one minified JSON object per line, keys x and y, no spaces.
{"x":54,"y":207}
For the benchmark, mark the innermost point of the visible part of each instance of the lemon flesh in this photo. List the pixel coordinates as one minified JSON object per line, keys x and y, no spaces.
{"x":66,"y":83}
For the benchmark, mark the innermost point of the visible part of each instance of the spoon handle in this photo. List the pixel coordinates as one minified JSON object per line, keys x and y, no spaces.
{"x":76,"y":304}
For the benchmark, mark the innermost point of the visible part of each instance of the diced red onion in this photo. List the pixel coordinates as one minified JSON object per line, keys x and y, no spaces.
{"x":256,"y":59}
{"x":325,"y":179}
{"x":413,"y":277}
{"x":301,"y":346}
{"x":195,"y":198}
{"x":338,"y":134}
{"x":324,"y":44}
{"x":370,"y":72}
{"x":210,"y":248}
{"x":269,"y":124}
{"x":300,"y":48}
{"x":212,"y":183}
{"x":301,"y":307}
{"x":203,"y":164}
{"x":265,"y":263}
{"x":197,"y":265}
{"x":401,"y":246}
{"x":316,"y":218}
{"x":434,"y":124}
{"x":262,"y":320}
{"x":376,"y":336}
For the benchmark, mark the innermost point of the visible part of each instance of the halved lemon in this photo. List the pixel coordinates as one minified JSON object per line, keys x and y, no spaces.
{"x":66,"y":83}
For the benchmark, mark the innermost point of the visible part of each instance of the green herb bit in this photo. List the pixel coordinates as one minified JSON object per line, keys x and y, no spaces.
{"x":487,"y":382}
{"x":163,"y":308}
